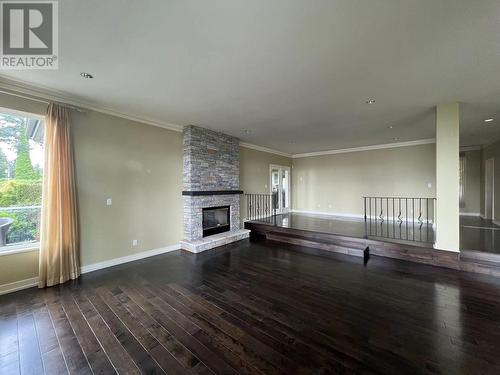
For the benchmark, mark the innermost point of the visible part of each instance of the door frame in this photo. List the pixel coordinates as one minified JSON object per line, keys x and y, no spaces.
{"x":289,"y":200}
{"x":487,"y":171}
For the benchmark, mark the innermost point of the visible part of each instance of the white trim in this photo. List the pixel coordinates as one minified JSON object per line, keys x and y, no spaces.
{"x":28,"y":283}
{"x":16,"y":112}
{"x":470,"y":148}
{"x":14,"y":86}
{"x":18,"y":249}
{"x":470,"y":214}
{"x":264,"y":149}
{"x":129,"y":258}
{"x":356,"y":216}
{"x":18,"y":285}
{"x":351,"y":216}
{"x":366,"y":148}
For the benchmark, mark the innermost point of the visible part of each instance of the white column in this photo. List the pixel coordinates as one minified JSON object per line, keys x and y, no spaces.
{"x":447,"y":177}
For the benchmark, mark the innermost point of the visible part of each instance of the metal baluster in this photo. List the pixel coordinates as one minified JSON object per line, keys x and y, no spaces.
{"x":387,"y":214}
{"x":370,"y":201}
{"x":393,"y":218}
{"x":406,"y":199}
{"x":413,"y":217}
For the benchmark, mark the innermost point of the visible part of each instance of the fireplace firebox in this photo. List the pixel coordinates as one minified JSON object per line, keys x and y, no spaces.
{"x":216,"y":220}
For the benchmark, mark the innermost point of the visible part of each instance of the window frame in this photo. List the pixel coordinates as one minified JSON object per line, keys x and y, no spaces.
{"x":27,"y":246}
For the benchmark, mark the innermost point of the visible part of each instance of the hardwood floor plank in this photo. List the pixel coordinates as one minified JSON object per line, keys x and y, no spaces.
{"x":30,"y":358}
{"x":289,"y":345}
{"x":117,"y":354}
{"x":230,"y":338}
{"x":9,"y":340}
{"x":179,"y":351}
{"x":53,"y":360}
{"x":96,"y":356}
{"x":254,"y":308}
{"x":204,"y":354}
{"x":162,"y":356}
{"x":137,"y":352}
{"x":74,"y":357}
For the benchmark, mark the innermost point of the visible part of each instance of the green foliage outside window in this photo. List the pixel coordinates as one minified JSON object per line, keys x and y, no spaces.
{"x":20,"y":181}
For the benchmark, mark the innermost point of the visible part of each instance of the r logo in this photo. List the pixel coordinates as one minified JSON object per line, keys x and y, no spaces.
{"x":27,"y":28}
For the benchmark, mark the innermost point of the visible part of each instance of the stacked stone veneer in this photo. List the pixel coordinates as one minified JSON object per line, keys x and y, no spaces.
{"x":211,"y":161}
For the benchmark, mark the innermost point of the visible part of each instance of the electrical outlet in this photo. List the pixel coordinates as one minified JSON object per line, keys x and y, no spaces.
{"x":330,"y":205}
{"x":429,"y":185}
{"x":134,"y":243}
{"x":109,"y":202}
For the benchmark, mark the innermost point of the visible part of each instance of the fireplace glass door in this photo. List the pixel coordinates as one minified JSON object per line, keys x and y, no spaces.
{"x":216,"y":220}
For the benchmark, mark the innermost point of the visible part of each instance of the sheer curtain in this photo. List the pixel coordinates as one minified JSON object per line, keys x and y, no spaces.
{"x":59,"y":232}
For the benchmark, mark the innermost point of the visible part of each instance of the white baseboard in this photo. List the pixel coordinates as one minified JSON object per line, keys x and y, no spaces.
{"x":18,"y":285}
{"x":353,"y":216}
{"x":476,"y":214}
{"x":28,"y":283}
{"x":129,"y":258}
{"x":357,"y":216}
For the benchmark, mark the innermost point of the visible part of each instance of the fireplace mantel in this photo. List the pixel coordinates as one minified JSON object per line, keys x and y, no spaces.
{"x":212,"y":192}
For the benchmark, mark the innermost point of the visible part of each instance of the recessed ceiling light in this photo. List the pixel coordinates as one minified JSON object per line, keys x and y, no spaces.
{"x":86,"y":75}
{"x":370,"y":101}
{"x":488,"y":120}
{"x":390,"y":127}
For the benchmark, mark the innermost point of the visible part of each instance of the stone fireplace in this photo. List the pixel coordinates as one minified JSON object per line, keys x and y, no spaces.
{"x":211,"y":183}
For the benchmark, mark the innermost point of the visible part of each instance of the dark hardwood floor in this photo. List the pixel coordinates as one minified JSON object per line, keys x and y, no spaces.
{"x":256,"y":308}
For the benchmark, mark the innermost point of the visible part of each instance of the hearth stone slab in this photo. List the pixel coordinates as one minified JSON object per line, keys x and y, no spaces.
{"x":207,"y":243}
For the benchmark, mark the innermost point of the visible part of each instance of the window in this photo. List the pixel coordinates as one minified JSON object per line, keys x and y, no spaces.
{"x":21,"y":172}
{"x":461,"y":192}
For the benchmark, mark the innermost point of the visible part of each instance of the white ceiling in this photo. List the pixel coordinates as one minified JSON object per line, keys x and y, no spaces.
{"x":295,"y":73}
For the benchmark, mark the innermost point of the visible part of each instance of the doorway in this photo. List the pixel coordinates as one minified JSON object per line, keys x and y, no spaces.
{"x":489,"y":189}
{"x":280,"y":187}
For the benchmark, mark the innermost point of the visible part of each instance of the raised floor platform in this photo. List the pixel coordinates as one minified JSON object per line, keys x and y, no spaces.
{"x":328,"y":234}
{"x":352,"y":237}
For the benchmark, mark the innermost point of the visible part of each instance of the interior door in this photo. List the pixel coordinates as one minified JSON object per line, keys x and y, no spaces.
{"x":280,"y":187}
{"x":489,"y":188}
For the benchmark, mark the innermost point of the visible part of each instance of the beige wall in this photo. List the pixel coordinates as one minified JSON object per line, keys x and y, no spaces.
{"x":254,"y":172}
{"x":336,"y":183}
{"x":139,"y":166}
{"x":254,"y":169}
{"x":472,"y":192}
{"x":20,"y":266}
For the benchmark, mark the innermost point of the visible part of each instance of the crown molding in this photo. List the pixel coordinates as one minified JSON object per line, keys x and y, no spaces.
{"x":264,"y":149}
{"x":366,"y":148}
{"x":470,"y":148}
{"x":44,"y":94}
{"x":37,"y":92}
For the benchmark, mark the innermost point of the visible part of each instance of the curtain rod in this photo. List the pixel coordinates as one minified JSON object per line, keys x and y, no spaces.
{"x":45,"y":101}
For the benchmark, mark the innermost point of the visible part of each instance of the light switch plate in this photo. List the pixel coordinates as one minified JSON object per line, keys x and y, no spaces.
{"x":109,"y":202}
